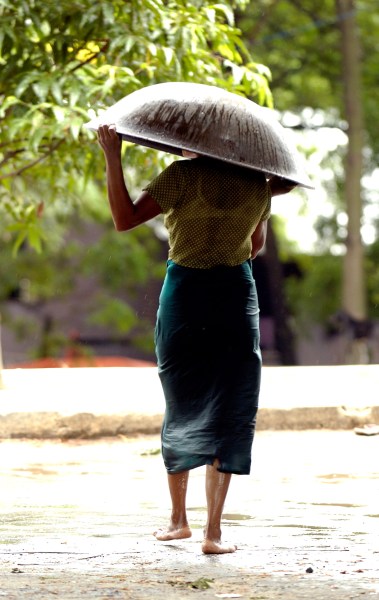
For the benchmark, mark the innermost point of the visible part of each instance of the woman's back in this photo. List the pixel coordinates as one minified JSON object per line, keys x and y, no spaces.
{"x":211,"y":209}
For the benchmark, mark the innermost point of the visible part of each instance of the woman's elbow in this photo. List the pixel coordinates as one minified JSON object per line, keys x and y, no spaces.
{"x":122,"y":225}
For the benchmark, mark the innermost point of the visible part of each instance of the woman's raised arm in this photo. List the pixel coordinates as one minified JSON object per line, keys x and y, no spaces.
{"x":126,"y":213}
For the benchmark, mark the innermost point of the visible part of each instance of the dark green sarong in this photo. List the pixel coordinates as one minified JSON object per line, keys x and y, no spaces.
{"x":209,"y":363}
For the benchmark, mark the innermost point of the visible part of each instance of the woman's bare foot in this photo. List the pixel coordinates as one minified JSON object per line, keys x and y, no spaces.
{"x":217,"y":547}
{"x":173,"y":533}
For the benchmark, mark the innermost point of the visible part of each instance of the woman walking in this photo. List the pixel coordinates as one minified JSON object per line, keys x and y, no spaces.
{"x":207,"y":329}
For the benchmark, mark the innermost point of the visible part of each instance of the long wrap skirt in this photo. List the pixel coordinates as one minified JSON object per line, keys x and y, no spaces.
{"x":209,"y":364}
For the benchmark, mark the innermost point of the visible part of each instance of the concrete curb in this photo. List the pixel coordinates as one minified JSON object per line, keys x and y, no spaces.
{"x":94,"y":403}
{"x":50,"y":425}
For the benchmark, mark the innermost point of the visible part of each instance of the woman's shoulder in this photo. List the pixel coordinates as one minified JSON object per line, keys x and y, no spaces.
{"x":211,"y":170}
{"x":222,"y":168}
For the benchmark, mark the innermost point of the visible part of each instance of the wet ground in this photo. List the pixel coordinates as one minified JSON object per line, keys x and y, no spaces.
{"x":77,"y":517}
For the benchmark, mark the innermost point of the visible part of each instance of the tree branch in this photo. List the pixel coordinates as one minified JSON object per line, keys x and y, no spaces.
{"x":33,"y":163}
{"x":9,"y":155}
{"x":94,"y":55}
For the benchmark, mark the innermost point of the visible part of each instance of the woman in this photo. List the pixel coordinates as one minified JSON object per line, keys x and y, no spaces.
{"x":207,"y":330}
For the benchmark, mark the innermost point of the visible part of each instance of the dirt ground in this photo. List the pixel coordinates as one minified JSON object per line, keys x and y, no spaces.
{"x":76,"y":521}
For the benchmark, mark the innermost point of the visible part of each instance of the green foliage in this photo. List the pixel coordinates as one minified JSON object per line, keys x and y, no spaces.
{"x":117,"y":317}
{"x":301,"y":44}
{"x":59,"y":59}
{"x":315,"y":296}
{"x":124,"y":260}
{"x":37,"y":277}
{"x":58,"y":62}
{"x":113,"y":314}
{"x":117,"y":264}
{"x":288,"y":34}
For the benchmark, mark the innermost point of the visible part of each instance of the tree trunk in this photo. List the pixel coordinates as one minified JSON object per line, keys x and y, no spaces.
{"x":1,"y":361}
{"x":284,"y":337}
{"x":353,"y":288}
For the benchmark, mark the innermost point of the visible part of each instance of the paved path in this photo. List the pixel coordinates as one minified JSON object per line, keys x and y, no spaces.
{"x":76,"y":521}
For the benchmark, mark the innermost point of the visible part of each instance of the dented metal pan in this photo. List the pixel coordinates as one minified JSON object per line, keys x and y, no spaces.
{"x":210,"y":121}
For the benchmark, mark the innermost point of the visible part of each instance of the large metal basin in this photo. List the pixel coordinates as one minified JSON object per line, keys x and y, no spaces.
{"x":208,"y":120}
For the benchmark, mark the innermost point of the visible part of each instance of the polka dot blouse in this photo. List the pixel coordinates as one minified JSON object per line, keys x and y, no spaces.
{"x":211,"y":209}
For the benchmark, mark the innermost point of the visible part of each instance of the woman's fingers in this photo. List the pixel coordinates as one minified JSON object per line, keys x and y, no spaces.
{"x":108,"y":137}
{"x":106,"y":132}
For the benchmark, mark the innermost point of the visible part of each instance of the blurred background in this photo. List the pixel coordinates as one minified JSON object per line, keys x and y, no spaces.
{"x":73,"y":292}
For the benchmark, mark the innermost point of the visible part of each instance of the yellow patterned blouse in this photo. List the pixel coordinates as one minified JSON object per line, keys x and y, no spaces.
{"x":211,"y":209}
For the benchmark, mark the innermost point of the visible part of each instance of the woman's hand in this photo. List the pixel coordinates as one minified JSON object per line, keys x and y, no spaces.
{"x":109,"y":141}
{"x":258,"y":238}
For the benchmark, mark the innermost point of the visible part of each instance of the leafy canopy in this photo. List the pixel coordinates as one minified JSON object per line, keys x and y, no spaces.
{"x":60,"y":59}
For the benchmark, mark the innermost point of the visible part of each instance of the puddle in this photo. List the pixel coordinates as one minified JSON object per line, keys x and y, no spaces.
{"x":33,"y":470}
{"x":334,"y":477}
{"x":302,"y":526}
{"x":236,"y":517}
{"x":335,"y":504}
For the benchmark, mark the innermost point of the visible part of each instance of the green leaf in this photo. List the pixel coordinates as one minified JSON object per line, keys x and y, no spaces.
{"x":152,"y":49}
{"x":18,"y":242}
{"x":8,"y":102}
{"x":59,"y":113}
{"x":34,"y":237}
{"x":210,"y":14}
{"x":227,"y":52}
{"x":56,"y":90}
{"x":41,"y":88}
{"x":75,"y":127}
{"x":169,"y":55}
{"x":226,"y":11}
{"x":36,"y":136}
